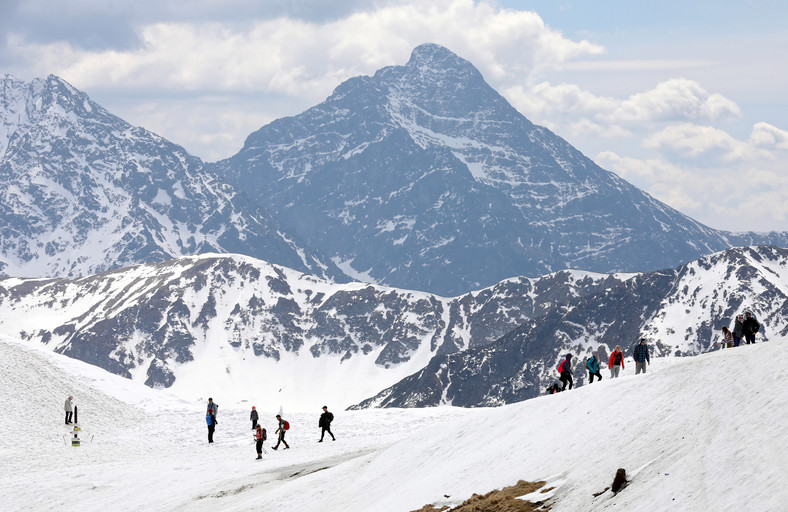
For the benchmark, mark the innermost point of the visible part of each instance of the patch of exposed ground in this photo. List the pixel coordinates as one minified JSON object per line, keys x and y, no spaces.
{"x":500,"y":500}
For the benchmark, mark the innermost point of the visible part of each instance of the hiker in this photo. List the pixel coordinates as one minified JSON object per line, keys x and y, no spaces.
{"x":616,"y":362}
{"x":254,"y":417}
{"x":738,"y":330}
{"x":325,"y":423}
{"x":213,"y":406}
{"x":565,"y":369}
{"x":210,"y":419}
{"x":749,"y":327}
{"x":641,"y":356}
{"x":68,"y":407}
{"x":283,"y":426}
{"x":592,"y":365}
{"x":727,"y":337}
{"x":259,"y":437}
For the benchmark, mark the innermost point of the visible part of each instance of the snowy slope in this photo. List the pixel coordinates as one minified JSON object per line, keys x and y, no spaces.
{"x":699,"y":433}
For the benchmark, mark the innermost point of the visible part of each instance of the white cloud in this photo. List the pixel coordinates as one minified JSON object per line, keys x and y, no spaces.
{"x":739,"y":194}
{"x":675,"y":100}
{"x":670,"y":101}
{"x":689,"y":141}
{"x":767,"y":136}
{"x":300,"y":58}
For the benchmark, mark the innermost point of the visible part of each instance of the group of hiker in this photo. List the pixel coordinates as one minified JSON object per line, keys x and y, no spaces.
{"x":745,"y":328}
{"x":260,"y":434}
{"x":615,"y":364}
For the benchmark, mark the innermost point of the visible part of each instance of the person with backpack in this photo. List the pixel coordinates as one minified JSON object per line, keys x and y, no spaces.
{"x":284,"y":426}
{"x":565,"y":369}
{"x":325,"y":424}
{"x":616,"y":362}
{"x":259,"y":437}
{"x":641,"y":356}
{"x":592,"y":365}
{"x":738,"y":330}
{"x":749,"y":327}
{"x":254,"y":417}
{"x":210,"y":419}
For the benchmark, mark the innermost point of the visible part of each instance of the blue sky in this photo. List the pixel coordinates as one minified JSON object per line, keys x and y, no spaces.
{"x":686,"y":100}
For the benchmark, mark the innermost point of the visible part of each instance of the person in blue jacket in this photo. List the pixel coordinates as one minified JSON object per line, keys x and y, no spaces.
{"x":641,"y":356}
{"x":211,"y":421}
{"x":592,"y":365}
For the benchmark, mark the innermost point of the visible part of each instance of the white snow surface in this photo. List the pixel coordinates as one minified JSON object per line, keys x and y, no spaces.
{"x":695,"y":434}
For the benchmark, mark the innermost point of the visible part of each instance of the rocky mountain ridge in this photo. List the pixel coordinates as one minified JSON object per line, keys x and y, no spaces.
{"x":82,"y":191}
{"x":225,"y":313}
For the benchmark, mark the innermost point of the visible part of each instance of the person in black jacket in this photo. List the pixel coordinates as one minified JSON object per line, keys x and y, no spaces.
{"x":641,"y":356}
{"x":566,"y":372}
{"x":749,"y":327}
{"x":254,"y":417}
{"x":325,"y":423}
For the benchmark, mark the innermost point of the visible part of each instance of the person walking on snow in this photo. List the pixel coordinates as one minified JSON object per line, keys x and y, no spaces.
{"x":565,"y":369}
{"x":616,"y":362}
{"x":210,"y":419}
{"x":283,"y":426}
{"x":68,"y":407}
{"x":325,"y":424}
{"x":749,"y":327}
{"x":592,"y":365}
{"x":259,"y":437}
{"x":254,"y":417}
{"x":738,"y":330}
{"x":641,"y":356}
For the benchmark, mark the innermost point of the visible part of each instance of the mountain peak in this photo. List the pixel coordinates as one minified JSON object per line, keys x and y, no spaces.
{"x":434,"y":57}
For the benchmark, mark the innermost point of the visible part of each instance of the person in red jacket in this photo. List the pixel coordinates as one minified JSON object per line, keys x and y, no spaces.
{"x":616,"y":362}
{"x":259,"y":437}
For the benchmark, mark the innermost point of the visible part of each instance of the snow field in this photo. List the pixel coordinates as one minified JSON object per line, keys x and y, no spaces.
{"x":701,"y":433}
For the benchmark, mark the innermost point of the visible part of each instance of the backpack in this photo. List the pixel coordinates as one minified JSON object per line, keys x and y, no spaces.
{"x":588,"y":363}
{"x":286,"y":425}
{"x":756,"y":327}
{"x":330,"y":417}
{"x":265,"y":435}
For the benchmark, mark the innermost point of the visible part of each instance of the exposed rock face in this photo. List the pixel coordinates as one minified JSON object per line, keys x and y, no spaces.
{"x":423,"y":177}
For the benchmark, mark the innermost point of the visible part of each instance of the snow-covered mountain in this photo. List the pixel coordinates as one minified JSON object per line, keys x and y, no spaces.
{"x":679,"y":312}
{"x":82,"y":191}
{"x":423,"y":177}
{"x":695,"y":434}
{"x":209,"y":322}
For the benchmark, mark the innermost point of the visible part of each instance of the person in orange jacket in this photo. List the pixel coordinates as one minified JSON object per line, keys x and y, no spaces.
{"x":616,"y":362}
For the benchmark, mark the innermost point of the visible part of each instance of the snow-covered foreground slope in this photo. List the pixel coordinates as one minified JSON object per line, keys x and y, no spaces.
{"x":706,"y":432}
